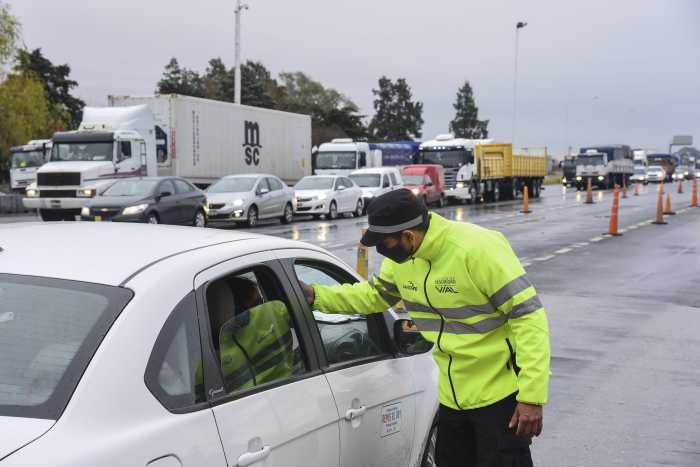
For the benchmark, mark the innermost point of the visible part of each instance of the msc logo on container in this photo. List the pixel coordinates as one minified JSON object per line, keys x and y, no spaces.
{"x":251,"y":138}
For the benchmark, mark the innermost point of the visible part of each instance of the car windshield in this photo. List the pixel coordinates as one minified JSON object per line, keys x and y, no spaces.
{"x":655,"y":168}
{"x":640,"y":170}
{"x":413,"y":179}
{"x":22,"y":159}
{"x":131,"y":188}
{"x":447,"y":158}
{"x":589,"y":160}
{"x":336,"y":160}
{"x":49,"y":330}
{"x":315,"y":183}
{"x":82,"y":152}
{"x":367,"y":180}
{"x":233,"y":185}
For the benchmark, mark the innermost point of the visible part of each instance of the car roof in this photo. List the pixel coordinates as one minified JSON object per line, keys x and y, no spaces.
{"x":104,"y":252}
{"x":251,"y":175}
{"x":375,"y":170}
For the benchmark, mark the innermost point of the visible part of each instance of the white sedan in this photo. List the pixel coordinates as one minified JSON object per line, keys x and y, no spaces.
{"x":328,"y":195}
{"x":170,"y":346}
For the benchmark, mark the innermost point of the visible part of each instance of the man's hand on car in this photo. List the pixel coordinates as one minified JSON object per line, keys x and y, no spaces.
{"x":308,"y":292}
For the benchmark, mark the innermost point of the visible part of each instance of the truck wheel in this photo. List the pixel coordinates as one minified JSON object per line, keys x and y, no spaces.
{"x":288,"y":215}
{"x":535,"y":189}
{"x":252,"y":216}
{"x":332,"y":211}
{"x":153,"y":218}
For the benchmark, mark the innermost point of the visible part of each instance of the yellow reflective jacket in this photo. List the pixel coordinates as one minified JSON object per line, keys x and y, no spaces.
{"x":468,"y":293}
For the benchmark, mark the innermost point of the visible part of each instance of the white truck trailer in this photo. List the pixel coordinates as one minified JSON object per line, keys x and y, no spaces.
{"x":203,"y":140}
{"x":25,"y":161}
{"x":110,"y":143}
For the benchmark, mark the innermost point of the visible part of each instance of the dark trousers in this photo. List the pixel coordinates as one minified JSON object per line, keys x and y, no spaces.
{"x":480,"y":437}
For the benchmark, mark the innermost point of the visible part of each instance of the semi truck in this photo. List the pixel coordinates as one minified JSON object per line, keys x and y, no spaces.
{"x":568,"y":168}
{"x":342,"y":156}
{"x":25,"y":160}
{"x":604,"y":166}
{"x":203,"y":140}
{"x":109,"y":144}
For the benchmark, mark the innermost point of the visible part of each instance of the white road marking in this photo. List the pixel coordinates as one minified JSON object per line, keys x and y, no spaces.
{"x":562,"y":251}
{"x":622,"y":231}
{"x":595,"y":239}
{"x":632,"y":227}
{"x":544,"y":258}
{"x":526,"y":264}
{"x":580,"y":244}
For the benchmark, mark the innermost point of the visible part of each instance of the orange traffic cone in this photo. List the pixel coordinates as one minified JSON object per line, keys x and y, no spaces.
{"x":612,"y":228}
{"x":680,"y":186}
{"x":659,"y":208}
{"x":526,"y":201}
{"x":636,"y":189}
{"x":589,"y":193}
{"x":667,"y":210}
{"x":694,"y":196}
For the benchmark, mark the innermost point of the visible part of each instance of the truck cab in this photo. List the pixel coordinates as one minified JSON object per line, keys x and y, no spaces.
{"x":604,"y":166}
{"x":342,"y":156}
{"x":568,"y":167}
{"x":456,"y":157}
{"x":110,"y":143}
{"x":426,"y":181}
{"x":25,"y":161}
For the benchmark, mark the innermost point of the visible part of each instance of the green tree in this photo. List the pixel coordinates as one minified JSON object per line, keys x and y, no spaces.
{"x":466,"y":123}
{"x":178,"y":80}
{"x":9,"y":34}
{"x":396,"y":116}
{"x":26,"y":114}
{"x":56,"y":82}
{"x":217,"y":82}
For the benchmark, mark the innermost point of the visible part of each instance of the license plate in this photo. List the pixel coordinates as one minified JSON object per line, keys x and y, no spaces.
{"x":55,"y":203}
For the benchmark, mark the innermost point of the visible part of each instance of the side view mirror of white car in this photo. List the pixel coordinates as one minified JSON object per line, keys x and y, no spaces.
{"x":340,"y":187}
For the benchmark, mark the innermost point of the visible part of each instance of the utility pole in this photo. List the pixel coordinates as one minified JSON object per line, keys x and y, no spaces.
{"x":237,"y":66}
{"x":518,"y":27}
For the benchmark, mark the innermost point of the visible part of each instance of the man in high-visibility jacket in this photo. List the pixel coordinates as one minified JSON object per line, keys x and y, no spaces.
{"x":467,"y":292}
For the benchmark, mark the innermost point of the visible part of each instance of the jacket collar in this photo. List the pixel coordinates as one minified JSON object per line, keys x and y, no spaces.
{"x":432,"y":242}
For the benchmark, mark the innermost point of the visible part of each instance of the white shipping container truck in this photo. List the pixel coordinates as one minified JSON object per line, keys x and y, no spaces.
{"x":203,"y":140}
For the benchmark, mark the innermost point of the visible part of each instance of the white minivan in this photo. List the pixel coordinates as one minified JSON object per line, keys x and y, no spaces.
{"x":376,"y":181}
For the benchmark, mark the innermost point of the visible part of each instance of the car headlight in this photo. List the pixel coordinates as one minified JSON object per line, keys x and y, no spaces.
{"x":85,"y":212}
{"x":578,"y":179}
{"x":601,"y":178}
{"x":322,"y":196}
{"x":137,"y":209}
{"x":415,"y":191}
{"x":460,"y":185}
{"x":87,"y":193}
{"x":238,"y":203}
{"x":563,"y":179}
{"x":32,"y":193}
{"x":685,"y":173}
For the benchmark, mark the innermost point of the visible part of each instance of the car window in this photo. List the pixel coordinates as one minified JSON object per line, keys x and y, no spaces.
{"x":394,"y":181}
{"x":124,"y":150}
{"x":263,"y":184}
{"x":174,"y":370}
{"x":253,"y":332}
{"x":345,"y":337}
{"x":182,"y":186}
{"x":274,"y":184}
{"x":385,"y":183}
{"x":348,"y":183}
{"x":167,"y":186}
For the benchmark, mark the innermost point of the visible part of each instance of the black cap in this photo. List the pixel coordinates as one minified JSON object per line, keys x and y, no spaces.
{"x":391,"y":213}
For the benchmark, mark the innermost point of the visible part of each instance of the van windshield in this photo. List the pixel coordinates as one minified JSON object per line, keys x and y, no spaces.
{"x":49,"y":330}
{"x":82,"y":152}
{"x":367,"y":180}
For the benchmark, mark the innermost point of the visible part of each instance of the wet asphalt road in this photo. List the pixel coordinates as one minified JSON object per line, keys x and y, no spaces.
{"x":624,"y":319}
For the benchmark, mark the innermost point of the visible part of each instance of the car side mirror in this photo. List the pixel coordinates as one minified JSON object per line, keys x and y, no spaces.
{"x":263,"y":191}
{"x":163,"y":194}
{"x":340,"y":187}
{"x":407,"y":338}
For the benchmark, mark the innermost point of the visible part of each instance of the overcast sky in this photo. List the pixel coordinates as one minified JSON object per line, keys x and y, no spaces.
{"x":590,"y":72}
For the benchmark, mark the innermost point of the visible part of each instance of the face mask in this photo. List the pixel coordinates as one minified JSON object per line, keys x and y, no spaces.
{"x":396,"y":253}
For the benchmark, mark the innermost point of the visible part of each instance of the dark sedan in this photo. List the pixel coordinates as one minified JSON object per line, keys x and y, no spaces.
{"x":154,"y":200}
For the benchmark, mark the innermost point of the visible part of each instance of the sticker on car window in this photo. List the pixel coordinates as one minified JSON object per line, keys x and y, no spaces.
{"x":391,"y":419}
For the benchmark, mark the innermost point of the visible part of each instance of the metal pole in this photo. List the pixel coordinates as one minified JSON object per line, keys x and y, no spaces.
{"x":237,"y":66}
{"x":518,"y":26}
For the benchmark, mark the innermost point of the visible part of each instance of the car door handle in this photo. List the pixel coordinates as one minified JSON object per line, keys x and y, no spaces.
{"x":352,"y":414}
{"x":253,"y":457}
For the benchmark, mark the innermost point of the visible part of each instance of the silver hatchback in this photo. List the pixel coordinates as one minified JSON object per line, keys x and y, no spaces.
{"x":249,"y":198}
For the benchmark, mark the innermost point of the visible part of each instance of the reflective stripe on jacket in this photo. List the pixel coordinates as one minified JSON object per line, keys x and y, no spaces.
{"x":468,"y":293}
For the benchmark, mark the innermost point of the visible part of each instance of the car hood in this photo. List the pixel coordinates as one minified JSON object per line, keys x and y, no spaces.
{"x":217,"y":198}
{"x":311,"y":193}
{"x":117,"y":201}
{"x":370,"y":191}
{"x":18,"y":432}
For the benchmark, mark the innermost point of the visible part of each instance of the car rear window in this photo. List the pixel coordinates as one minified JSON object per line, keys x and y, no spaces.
{"x":49,"y":331}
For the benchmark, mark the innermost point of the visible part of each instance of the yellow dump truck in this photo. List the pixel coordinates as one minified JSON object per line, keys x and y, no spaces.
{"x":500,"y":174}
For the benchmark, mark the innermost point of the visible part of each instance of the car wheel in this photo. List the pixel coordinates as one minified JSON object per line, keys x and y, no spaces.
{"x":429,"y":455}
{"x":252,"y":216}
{"x":200,"y":220}
{"x":153,"y":218}
{"x":288,"y":215}
{"x":332,"y":211}
{"x":359,"y":209}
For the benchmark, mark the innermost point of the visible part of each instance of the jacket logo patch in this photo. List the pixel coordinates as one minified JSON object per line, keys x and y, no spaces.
{"x":446,"y":285}
{"x":410,"y":285}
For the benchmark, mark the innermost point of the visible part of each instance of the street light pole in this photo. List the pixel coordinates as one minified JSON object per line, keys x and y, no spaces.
{"x":237,"y":66}
{"x":518,"y":27}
